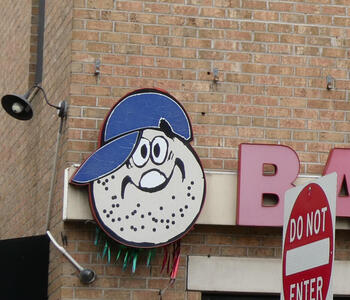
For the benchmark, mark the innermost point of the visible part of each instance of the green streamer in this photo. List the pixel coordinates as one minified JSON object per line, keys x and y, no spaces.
{"x":134,"y":262}
{"x":131,"y":255}
{"x":149,"y":257}
{"x":118,"y":254}
{"x":105,"y":250}
{"x":97,"y":235}
{"x":109,"y":255}
{"x":125,"y":263}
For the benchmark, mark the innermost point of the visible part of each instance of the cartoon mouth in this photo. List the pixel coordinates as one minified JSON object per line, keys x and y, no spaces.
{"x":153,"y":180}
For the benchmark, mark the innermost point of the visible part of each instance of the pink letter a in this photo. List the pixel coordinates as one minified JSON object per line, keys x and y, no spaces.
{"x":339,"y":161}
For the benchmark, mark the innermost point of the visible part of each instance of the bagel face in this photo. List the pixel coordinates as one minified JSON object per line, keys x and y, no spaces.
{"x":155,"y":197}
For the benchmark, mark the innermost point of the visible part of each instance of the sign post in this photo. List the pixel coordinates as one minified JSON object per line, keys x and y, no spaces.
{"x":308,"y":240}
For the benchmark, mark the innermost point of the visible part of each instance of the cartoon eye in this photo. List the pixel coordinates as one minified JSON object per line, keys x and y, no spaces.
{"x":142,"y":152}
{"x":159,"y":149}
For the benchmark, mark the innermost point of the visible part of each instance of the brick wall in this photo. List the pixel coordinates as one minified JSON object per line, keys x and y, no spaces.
{"x":15,"y":182}
{"x":272,"y":60}
{"x":147,"y":282}
{"x":28,"y":147}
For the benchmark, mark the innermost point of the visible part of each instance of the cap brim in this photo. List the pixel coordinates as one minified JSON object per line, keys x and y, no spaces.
{"x":106,"y":159}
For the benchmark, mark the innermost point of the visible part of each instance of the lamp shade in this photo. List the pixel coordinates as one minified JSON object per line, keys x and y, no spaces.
{"x":17,"y":106}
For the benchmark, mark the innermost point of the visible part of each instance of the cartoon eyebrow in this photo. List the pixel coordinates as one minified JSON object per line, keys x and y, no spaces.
{"x":128,"y":164}
{"x":166,"y":128}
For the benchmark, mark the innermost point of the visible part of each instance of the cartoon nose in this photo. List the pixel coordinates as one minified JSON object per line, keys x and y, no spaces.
{"x":152,"y":179}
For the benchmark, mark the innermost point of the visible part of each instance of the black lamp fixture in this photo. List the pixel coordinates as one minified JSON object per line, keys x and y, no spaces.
{"x":19,"y":106}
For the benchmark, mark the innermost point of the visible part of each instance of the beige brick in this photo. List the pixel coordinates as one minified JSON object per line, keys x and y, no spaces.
{"x":266,"y":15}
{"x":88,"y":293}
{"x":252,"y":4}
{"x":100,"y":4}
{"x":99,"y":25}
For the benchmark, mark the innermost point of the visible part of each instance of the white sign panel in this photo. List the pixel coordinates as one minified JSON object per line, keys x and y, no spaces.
{"x":308,"y":240}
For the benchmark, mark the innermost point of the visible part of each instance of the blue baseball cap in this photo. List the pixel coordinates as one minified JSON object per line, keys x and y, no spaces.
{"x":139,"y":110}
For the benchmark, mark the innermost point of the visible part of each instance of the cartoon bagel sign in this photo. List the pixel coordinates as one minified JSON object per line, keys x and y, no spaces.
{"x":146,"y":183}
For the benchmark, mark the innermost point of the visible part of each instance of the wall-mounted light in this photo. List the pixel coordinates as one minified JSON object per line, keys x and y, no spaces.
{"x":19,"y":106}
{"x":330,"y":82}
{"x":86,"y":276}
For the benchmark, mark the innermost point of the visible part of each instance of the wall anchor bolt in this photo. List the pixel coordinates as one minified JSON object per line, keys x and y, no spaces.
{"x":216,"y":75}
{"x":330,"y":82}
{"x":97,"y":67}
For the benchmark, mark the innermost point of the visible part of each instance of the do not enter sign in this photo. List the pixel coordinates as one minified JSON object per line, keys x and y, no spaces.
{"x":308,"y":240}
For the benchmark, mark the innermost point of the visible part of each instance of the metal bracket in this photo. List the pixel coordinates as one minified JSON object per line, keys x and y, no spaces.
{"x":97,"y":67}
{"x":216,"y":75}
{"x":330,"y":82}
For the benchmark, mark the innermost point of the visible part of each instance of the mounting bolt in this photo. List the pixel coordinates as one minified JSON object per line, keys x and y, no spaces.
{"x":97,"y":67}
{"x":216,"y":75}
{"x":330,"y":82}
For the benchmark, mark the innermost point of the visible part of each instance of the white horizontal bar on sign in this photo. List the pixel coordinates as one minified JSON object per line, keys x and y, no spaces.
{"x":219,"y":207}
{"x":250,"y":275}
{"x":303,"y":258}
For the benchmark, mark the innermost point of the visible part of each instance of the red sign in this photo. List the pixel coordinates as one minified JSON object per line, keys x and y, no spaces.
{"x":308,"y":246}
